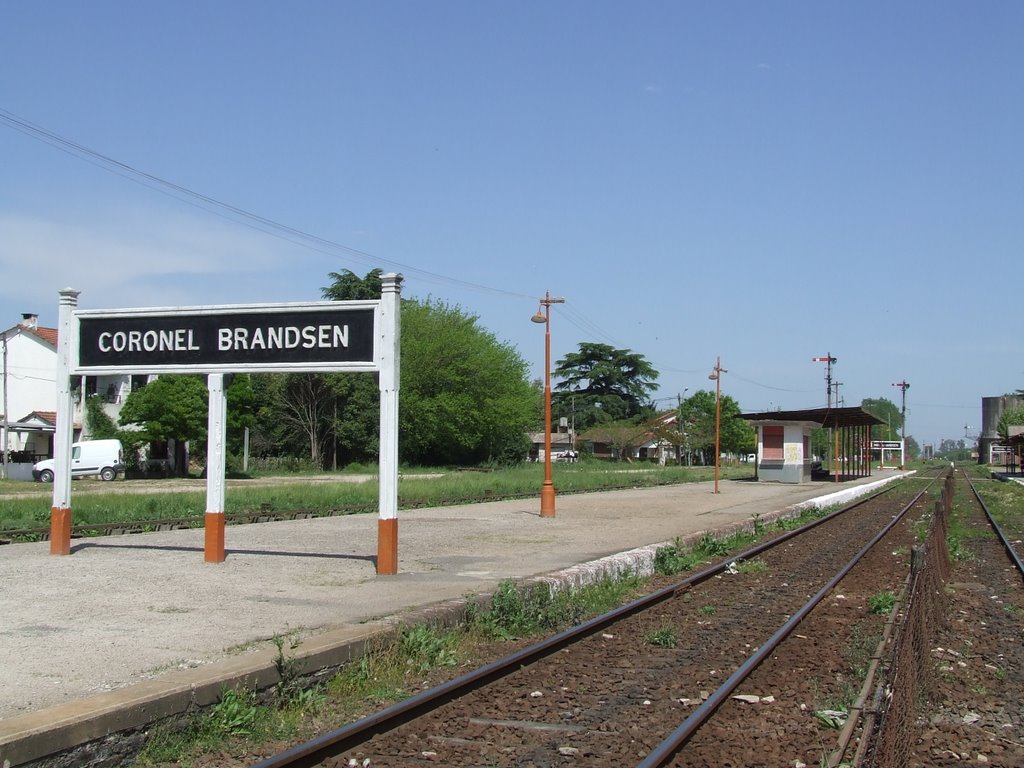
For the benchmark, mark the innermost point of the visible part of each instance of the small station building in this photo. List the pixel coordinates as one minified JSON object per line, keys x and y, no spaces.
{"x":784,"y":443}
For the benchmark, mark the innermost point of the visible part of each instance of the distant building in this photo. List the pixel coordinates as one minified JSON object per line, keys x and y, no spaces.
{"x":992,"y":410}
{"x":28,"y":395}
{"x":784,"y":443}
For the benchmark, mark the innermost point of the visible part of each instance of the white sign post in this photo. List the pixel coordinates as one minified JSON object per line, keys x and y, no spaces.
{"x":329,"y":336}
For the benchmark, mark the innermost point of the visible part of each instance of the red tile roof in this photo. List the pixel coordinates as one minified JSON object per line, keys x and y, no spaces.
{"x":49,"y":335}
{"x":50,"y":417}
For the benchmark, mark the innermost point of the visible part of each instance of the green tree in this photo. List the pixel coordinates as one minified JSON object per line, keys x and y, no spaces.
{"x":348,"y":286}
{"x":355,"y":398}
{"x":621,"y":436}
{"x":241,"y":410}
{"x":697,"y":415}
{"x":889,"y":413}
{"x":169,"y":408}
{"x":913,"y":449}
{"x":303,"y":403}
{"x":177,"y":408}
{"x":671,"y":433}
{"x":465,"y":396}
{"x":603,"y":384}
{"x":98,"y":421}
{"x":1011,"y":417}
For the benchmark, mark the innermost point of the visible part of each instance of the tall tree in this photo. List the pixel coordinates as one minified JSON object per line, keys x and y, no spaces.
{"x":348,"y":286}
{"x":177,"y":408}
{"x":697,"y":414}
{"x":1012,"y":417}
{"x":622,"y":437}
{"x":169,"y":408}
{"x":889,"y":413}
{"x":354,"y":417}
{"x":607,"y":384}
{"x":465,"y":396}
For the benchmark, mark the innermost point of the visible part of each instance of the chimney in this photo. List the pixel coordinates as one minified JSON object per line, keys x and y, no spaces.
{"x":29,"y":320}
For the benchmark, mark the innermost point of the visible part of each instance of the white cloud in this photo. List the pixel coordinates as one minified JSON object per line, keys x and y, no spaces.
{"x":136,"y":257}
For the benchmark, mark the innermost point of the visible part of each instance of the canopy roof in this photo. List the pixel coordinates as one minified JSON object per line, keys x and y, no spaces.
{"x":826,"y":417}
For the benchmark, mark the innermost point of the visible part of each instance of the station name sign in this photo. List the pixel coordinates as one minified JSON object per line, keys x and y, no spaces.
{"x":877,"y":445}
{"x":257,"y":338}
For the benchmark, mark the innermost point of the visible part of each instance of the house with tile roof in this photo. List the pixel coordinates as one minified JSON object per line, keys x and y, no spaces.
{"x":28,"y":394}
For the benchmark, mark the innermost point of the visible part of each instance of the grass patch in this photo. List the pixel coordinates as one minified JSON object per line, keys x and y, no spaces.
{"x":663,"y":637}
{"x":678,"y":557}
{"x":387,"y":673}
{"x":881,"y":602}
{"x":415,"y":491}
{"x":522,"y":611}
{"x":751,"y":566}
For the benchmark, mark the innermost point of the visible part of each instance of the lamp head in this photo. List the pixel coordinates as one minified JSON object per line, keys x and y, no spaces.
{"x":539,"y":317}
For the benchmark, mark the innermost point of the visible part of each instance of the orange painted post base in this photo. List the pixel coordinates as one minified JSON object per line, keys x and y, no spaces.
{"x":547,"y":500}
{"x":214,"y":544}
{"x":387,"y":547}
{"x":60,"y":531}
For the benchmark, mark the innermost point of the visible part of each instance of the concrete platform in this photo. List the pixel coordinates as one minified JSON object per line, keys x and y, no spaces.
{"x":128,"y":629}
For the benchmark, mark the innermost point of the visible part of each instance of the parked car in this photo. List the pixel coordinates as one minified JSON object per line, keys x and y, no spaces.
{"x":103,"y":458}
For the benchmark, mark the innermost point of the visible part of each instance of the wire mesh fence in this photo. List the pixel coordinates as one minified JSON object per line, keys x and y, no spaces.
{"x":910,"y":673}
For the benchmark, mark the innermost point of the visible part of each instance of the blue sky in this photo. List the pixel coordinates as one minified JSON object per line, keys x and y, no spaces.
{"x":765,"y":182}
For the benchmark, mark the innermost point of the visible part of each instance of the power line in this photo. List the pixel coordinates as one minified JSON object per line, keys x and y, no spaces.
{"x":769,"y":386}
{"x":227,"y":210}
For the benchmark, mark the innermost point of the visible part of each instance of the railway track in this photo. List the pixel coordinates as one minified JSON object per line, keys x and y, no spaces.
{"x":656,"y":682}
{"x":972,"y":708}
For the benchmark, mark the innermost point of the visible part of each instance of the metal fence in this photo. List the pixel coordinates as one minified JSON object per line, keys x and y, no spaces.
{"x":910,"y":673}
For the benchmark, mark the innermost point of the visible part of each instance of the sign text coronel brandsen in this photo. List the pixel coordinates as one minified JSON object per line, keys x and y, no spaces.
{"x":234,"y":338}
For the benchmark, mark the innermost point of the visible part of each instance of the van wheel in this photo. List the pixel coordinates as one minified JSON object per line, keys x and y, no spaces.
{"x":46,"y":476}
{"x":107,"y":474}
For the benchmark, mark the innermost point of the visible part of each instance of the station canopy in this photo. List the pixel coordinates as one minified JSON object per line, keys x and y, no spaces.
{"x":833,"y":418}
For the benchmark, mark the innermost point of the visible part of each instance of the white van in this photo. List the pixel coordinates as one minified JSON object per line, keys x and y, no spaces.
{"x":89,"y":457}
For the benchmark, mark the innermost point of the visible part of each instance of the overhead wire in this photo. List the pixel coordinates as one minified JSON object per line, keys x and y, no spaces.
{"x":291,"y":234}
{"x":229,"y":211}
{"x":733,"y":373}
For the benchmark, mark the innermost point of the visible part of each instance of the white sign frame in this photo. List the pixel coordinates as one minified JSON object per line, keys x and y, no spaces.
{"x":384,"y":360}
{"x":286,"y":310}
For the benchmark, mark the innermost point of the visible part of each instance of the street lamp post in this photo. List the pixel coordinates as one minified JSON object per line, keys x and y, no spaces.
{"x":716,"y":376}
{"x":547,"y":489}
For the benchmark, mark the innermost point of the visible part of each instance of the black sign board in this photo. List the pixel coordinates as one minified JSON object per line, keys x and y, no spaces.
{"x":239,"y":339}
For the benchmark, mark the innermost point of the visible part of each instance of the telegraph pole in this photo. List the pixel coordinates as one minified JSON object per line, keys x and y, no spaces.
{"x":7,"y":415}
{"x":716,"y":376}
{"x":679,"y":424}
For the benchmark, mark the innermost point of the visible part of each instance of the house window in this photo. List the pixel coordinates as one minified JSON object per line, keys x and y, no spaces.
{"x":772,"y":439}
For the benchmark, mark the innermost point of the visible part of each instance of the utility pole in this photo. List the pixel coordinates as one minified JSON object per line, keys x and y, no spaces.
{"x":716,"y":376}
{"x":7,"y":416}
{"x":679,"y":424}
